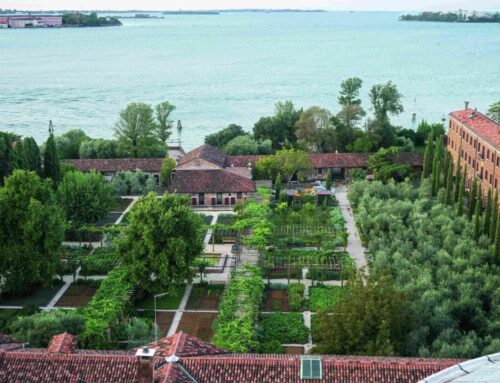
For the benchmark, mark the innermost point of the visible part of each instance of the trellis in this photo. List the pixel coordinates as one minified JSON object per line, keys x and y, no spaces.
{"x":305,"y":231}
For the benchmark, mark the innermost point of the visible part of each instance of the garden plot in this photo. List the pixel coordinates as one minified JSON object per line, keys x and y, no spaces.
{"x":286,"y":328}
{"x":163,"y":320}
{"x":293,"y":350}
{"x":275,"y":299}
{"x":325,"y":298}
{"x":205,"y":297}
{"x":166,"y":302}
{"x":78,"y":294}
{"x":198,"y":324}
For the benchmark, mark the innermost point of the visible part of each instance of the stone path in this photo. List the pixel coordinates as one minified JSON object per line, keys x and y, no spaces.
{"x":178,"y":314}
{"x":354,"y":247}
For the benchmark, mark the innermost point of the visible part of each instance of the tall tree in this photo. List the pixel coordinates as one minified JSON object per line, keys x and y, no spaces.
{"x":461,"y":193}
{"x":488,"y":213}
{"x":436,"y":166}
{"x":161,"y":242}
{"x":277,"y":186}
{"x":494,"y":112}
{"x":51,"y":165}
{"x":68,"y":144}
{"x":428,"y":156}
{"x":135,"y":129}
{"x":351,"y":112}
{"x":167,"y":168}
{"x":458,"y":180}
{"x":494,"y":218}
{"x":287,"y":162}
{"x":449,"y":183}
{"x":85,"y":197}
{"x":496,"y":249}
{"x":385,"y":99}
{"x":7,"y":154}
{"x":472,"y":199}
{"x":223,"y":137}
{"x":373,"y":319}
{"x":328,"y":182}
{"x":164,"y":124}
{"x":314,"y":129}
{"x":31,"y":232}
{"x":477,"y":216}
{"x":32,"y":156}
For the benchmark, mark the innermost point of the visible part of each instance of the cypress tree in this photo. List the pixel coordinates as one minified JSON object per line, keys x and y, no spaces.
{"x":472,"y":199}
{"x":277,"y":186}
{"x":436,"y":166}
{"x":449,"y":184}
{"x":51,"y":167}
{"x":458,"y":180}
{"x":32,"y":155}
{"x":328,"y":183}
{"x":494,"y":218}
{"x":461,"y":194}
{"x":496,"y":248}
{"x":428,"y":156}
{"x":477,"y":219}
{"x":488,"y":212}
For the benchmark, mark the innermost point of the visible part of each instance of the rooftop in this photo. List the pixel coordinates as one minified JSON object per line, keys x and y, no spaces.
{"x":210,"y":181}
{"x":484,"y":126}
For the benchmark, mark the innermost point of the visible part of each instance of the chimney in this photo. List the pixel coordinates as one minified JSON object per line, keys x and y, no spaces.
{"x":145,"y":364}
{"x":466,"y":105}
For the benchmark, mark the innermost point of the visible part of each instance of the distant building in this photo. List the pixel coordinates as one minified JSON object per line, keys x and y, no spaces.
{"x":30,"y":21}
{"x":474,"y":139}
{"x":182,"y":358}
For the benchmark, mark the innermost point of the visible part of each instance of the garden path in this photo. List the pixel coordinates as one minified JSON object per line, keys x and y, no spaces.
{"x":178,"y":314}
{"x":354,"y":247}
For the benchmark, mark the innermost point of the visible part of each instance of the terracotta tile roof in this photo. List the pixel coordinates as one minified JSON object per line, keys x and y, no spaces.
{"x":182,"y":345}
{"x":286,"y":369}
{"x":62,"y":344}
{"x":485,"y":127}
{"x":210,"y":181}
{"x":6,"y":339}
{"x":241,"y":161}
{"x":206,"y":152}
{"x":112,"y":165}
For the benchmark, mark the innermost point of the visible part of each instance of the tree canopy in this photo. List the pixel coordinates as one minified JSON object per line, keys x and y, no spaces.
{"x":287,"y":162}
{"x":223,"y":137}
{"x":161,"y":241}
{"x":51,"y":165}
{"x":494,"y":112}
{"x":31,"y":232}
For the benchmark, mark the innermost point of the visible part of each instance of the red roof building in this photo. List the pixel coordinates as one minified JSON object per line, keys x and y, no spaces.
{"x":183,"y":358}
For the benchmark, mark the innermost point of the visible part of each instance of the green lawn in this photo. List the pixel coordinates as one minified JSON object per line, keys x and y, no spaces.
{"x":40,"y":297}
{"x":167,"y":302}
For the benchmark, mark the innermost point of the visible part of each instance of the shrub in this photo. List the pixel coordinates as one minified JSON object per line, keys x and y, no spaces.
{"x":283,"y":327}
{"x":100,"y":262}
{"x":296,"y":299}
{"x":325,"y":298}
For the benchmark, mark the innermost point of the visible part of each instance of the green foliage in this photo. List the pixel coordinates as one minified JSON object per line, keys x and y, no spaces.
{"x":85,"y":197}
{"x":450,"y":278}
{"x":494,"y":112}
{"x":108,"y":306}
{"x":68,"y":144}
{"x":38,"y":329}
{"x":287,"y":162}
{"x":238,"y":312}
{"x":100,"y":262}
{"x":51,"y":166}
{"x":296,"y":299}
{"x":163,"y":126}
{"x":88,"y":20}
{"x":140,"y":331}
{"x":425,"y":130}
{"x":283,"y":327}
{"x":167,"y":167}
{"x":384,"y":168}
{"x":31,"y":232}
{"x":358,"y":174}
{"x":385,"y":99}
{"x":221,"y":138}
{"x":133,"y":183}
{"x":7,"y":154}
{"x":161,"y":241}
{"x":277,"y":185}
{"x":135,"y":130}
{"x":255,"y":215}
{"x":372,"y":320}
{"x":314,"y":130}
{"x":101,"y":148}
{"x":278,"y":128}
{"x":326,"y":298}
{"x":328,"y":182}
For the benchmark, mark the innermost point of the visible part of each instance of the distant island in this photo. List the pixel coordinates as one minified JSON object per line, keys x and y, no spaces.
{"x":454,"y":17}
{"x":88,"y":20}
{"x":191,"y":13}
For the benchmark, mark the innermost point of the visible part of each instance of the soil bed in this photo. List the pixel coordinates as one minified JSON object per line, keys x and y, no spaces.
{"x":205,"y":297}
{"x":77,"y":295}
{"x":276,"y":300}
{"x":198,"y":324}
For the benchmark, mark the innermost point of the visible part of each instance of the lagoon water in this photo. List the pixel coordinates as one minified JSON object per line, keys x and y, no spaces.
{"x":233,"y":67}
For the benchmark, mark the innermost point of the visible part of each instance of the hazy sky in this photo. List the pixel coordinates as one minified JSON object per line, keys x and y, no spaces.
{"x":369,"y":5}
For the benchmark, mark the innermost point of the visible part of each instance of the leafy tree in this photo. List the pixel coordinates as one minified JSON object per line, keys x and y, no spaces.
{"x":287,"y":162}
{"x":314,"y":129}
{"x":51,"y":166}
{"x":135,"y":129}
{"x":99,"y":148}
{"x":161,"y":241}
{"x":494,"y":112}
{"x":424,"y":129}
{"x":280,"y":128}
{"x":488,"y":213}
{"x":221,"y":138}
{"x":496,"y":252}
{"x":384,"y":168}
{"x":32,"y":158}
{"x":31,"y":232}
{"x":494,"y":217}
{"x":373,"y":319}
{"x":163,"y":127}
{"x":38,"y":329}
{"x":242,"y":145}
{"x":68,"y":144}
{"x":428,"y":156}
{"x":133,"y":183}
{"x":385,"y":99}
{"x":85,"y":197}
{"x":167,"y":168}
{"x":351,"y":112}
{"x":7,"y":154}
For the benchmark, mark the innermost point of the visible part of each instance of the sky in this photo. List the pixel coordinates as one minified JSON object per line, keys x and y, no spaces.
{"x":357,"y":5}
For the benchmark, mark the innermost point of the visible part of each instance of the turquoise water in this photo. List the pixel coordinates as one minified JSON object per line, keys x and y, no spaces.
{"x":233,"y":68}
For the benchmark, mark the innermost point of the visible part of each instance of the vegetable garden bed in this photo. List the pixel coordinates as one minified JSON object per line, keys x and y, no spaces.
{"x":79,"y":294}
{"x":284,"y":327}
{"x":166,"y":302}
{"x":205,"y":297}
{"x":293,"y":350}
{"x":275,"y":300}
{"x":198,"y":324}
{"x":163,"y":320}
{"x":325,"y":298}
{"x":122,"y":204}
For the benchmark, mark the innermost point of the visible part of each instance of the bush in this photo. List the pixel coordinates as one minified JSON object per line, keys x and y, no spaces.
{"x":283,"y":327}
{"x":296,"y":299}
{"x":325,"y":298}
{"x":38,"y":329}
{"x":133,"y":183}
{"x":100,"y":262}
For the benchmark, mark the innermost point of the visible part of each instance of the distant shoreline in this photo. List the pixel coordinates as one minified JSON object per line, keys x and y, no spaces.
{"x":454,"y":17}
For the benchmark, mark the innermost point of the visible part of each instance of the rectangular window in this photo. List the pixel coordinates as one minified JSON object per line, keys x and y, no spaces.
{"x":496,"y":183}
{"x":320,"y":171}
{"x":491,"y":179}
{"x":201,"y":198}
{"x":219,"y":198}
{"x":311,"y":368}
{"x":239,"y":195}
